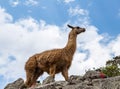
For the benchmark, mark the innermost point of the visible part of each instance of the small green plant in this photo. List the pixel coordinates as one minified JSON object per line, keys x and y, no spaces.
{"x":112,"y":67}
{"x":111,"y":70}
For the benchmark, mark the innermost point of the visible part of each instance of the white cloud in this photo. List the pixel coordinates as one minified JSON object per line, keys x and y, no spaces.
{"x":25,"y":37}
{"x":31,"y":2}
{"x":77,"y":11}
{"x":92,"y":52}
{"x":22,"y":39}
{"x":68,"y":1}
{"x":14,"y":3}
{"x":80,"y":16}
{"x":4,"y":17}
{"x":114,"y":45}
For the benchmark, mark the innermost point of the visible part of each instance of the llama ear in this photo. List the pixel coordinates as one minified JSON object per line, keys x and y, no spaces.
{"x":70,"y":26}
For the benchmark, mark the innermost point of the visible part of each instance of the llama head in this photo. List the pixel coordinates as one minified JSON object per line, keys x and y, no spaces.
{"x":77,"y":29}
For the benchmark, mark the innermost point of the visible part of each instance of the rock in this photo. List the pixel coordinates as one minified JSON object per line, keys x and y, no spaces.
{"x":16,"y":84}
{"x":53,"y":85}
{"x":88,"y":81}
{"x":107,"y":83}
{"x":91,"y":75}
{"x":46,"y":86}
{"x":49,"y":79}
{"x":74,"y":79}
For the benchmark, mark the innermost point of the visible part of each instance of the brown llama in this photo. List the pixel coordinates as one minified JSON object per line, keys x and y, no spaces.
{"x":52,"y":61}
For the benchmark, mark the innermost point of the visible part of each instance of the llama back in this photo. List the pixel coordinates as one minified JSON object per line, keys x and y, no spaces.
{"x":50,"y":56}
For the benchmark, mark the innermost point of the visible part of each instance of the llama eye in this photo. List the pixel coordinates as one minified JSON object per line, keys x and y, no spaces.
{"x":78,"y":27}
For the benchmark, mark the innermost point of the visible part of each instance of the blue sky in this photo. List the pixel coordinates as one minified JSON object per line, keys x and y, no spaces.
{"x":32,"y":26}
{"x":102,"y":13}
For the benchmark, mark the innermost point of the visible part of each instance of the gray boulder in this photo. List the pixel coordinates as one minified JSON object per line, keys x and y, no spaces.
{"x":48,"y":80}
{"x":107,"y":83}
{"x":90,"y":80}
{"x":16,"y":84}
{"x":91,"y":74}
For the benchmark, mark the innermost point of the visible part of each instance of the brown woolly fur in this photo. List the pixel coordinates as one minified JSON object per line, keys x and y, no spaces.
{"x":52,"y":61}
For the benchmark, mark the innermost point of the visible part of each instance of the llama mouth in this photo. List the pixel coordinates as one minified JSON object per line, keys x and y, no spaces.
{"x":83,"y":30}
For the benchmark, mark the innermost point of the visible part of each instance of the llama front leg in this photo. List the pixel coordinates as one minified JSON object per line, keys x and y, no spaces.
{"x":52,"y":70}
{"x":29,"y":76}
{"x":65,"y":73}
{"x":38,"y":73}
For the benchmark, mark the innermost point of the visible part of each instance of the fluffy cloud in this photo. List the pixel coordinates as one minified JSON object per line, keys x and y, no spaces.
{"x":80,"y":16}
{"x":4,"y":17}
{"x":21,"y":39}
{"x":31,"y":2}
{"x":77,"y":11}
{"x":14,"y":3}
{"x":114,"y":45}
{"x":68,"y":1}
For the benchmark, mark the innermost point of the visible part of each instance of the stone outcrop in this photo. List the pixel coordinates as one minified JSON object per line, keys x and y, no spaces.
{"x":90,"y":80}
{"x":16,"y":84}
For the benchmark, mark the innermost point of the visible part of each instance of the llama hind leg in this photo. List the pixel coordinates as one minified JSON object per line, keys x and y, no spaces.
{"x":52,"y":71}
{"x":37,"y":73}
{"x":65,"y":73}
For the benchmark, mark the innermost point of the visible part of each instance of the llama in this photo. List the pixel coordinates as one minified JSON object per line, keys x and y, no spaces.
{"x":52,"y":61}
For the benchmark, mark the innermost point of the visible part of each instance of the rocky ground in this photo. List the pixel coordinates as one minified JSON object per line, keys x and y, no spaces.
{"x":90,"y":80}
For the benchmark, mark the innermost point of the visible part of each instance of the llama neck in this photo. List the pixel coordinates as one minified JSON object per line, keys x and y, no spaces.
{"x":71,"y":44}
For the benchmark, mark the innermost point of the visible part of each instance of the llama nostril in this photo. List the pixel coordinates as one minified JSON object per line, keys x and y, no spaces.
{"x":84,"y":30}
